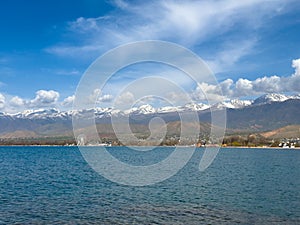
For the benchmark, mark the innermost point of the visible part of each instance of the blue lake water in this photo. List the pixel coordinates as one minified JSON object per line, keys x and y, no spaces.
{"x":42,"y":185}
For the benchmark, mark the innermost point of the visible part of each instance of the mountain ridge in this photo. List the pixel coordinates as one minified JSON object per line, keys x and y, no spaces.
{"x":148,"y":109}
{"x":270,"y":112}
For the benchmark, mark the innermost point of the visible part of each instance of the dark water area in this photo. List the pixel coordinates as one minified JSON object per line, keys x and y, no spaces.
{"x":42,"y":185}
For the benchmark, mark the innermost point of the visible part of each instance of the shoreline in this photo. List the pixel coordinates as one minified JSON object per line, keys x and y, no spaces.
{"x":183,"y":146}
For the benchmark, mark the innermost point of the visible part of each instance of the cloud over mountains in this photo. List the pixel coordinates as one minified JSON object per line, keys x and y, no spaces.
{"x":247,"y":88}
{"x":226,"y":90}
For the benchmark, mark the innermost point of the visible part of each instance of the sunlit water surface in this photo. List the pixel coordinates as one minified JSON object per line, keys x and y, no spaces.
{"x":42,"y":185}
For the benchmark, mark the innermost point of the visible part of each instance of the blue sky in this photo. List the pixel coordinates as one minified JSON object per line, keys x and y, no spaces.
{"x":252,"y":46}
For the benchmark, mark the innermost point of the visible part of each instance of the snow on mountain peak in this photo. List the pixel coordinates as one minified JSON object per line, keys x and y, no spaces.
{"x":196,"y":106}
{"x":237,"y":103}
{"x":232,"y":104}
{"x":147,"y":109}
{"x":297,"y":96}
{"x":36,"y":113}
{"x":268,"y":98}
{"x":143,"y":109}
{"x":167,"y":109}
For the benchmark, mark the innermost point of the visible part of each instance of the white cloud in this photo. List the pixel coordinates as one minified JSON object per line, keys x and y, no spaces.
{"x":105,"y":98}
{"x":243,"y":87}
{"x":272,"y":84}
{"x":208,"y":92}
{"x":296,"y":65}
{"x":212,"y":92}
{"x":247,"y":88}
{"x":175,"y":97}
{"x":2,"y":101}
{"x":16,"y":101}
{"x":68,"y":101}
{"x":293,"y":82}
{"x":268,"y":84}
{"x":97,"y":97}
{"x":125,"y":100}
{"x":44,"y":98}
{"x":227,"y":89}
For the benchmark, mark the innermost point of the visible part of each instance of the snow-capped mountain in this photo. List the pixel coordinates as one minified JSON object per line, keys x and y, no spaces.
{"x":242,"y":114}
{"x":195,"y":107}
{"x":143,"y":109}
{"x":232,"y":104}
{"x":169,"y":109}
{"x":147,"y":109}
{"x":105,"y":112}
{"x":237,"y":104}
{"x":296,"y":96}
{"x":38,"y":113}
{"x":268,"y":98}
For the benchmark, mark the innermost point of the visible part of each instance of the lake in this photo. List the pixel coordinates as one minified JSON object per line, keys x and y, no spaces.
{"x":42,"y":185}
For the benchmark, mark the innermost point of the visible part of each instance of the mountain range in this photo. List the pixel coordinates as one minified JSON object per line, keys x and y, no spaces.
{"x":270,"y":111}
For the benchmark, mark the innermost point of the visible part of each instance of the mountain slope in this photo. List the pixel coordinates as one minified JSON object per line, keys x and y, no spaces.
{"x":268,"y":112}
{"x":291,"y":131}
{"x":269,"y":98}
{"x":265,"y":117}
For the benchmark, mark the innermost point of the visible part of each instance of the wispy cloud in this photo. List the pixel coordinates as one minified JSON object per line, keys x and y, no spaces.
{"x":62,"y":71}
{"x":230,"y":53}
{"x":72,"y":72}
{"x":222,"y":32}
{"x":191,"y":23}
{"x":76,"y":51}
{"x":3,"y":60}
{"x":6,"y":71}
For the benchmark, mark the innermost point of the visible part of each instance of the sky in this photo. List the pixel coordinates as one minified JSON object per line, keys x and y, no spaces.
{"x":252,"y":46}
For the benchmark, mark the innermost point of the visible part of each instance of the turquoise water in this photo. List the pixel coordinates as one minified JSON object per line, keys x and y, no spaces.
{"x":42,"y":185}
